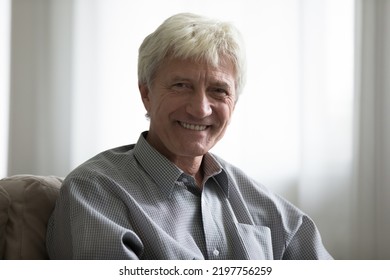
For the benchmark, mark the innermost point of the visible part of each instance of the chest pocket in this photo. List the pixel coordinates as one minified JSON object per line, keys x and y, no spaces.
{"x":257,"y":241}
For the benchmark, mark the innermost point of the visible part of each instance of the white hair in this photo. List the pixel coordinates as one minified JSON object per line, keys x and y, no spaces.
{"x":195,"y":37}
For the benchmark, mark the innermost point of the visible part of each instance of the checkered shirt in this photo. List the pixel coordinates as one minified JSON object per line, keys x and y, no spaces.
{"x":133,"y":203}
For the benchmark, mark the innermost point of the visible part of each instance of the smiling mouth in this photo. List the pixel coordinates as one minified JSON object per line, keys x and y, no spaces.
{"x":196,"y":127}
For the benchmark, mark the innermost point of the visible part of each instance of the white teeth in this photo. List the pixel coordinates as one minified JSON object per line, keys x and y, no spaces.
{"x":193,"y":126}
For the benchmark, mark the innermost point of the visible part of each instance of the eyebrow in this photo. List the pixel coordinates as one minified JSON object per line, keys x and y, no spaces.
{"x":214,"y":83}
{"x":221,"y":84}
{"x":180,"y":78}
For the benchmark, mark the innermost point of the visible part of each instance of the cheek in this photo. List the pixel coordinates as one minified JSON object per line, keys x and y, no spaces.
{"x":164,"y":107}
{"x":224,"y":116}
{"x":228,"y":111}
{"x":156,"y":102}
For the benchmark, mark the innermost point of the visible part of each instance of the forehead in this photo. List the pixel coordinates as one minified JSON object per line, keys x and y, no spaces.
{"x":198,"y":69}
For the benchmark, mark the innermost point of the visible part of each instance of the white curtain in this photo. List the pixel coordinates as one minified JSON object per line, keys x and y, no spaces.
{"x":5,"y":18}
{"x":324,"y":183}
{"x":40,"y":87}
{"x":370,"y":232}
{"x":304,"y":126}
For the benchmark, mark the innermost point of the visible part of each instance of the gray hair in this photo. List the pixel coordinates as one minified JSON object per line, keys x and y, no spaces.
{"x":195,"y":37}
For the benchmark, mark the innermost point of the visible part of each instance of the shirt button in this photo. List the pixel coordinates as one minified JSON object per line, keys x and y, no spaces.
{"x":216,"y":252}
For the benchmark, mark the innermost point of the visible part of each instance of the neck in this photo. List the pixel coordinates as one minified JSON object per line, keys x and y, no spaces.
{"x":192,"y":167}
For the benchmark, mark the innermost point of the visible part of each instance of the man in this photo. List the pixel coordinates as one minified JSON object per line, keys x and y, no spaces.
{"x":167,"y":197}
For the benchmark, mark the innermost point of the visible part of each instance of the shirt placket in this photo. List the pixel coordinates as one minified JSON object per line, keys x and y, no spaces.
{"x":213,"y":229}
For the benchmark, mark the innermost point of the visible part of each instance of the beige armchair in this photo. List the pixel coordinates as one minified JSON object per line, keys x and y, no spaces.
{"x":26,"y":202}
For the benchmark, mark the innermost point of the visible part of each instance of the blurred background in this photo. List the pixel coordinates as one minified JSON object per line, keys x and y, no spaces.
{"x":313,"y":123}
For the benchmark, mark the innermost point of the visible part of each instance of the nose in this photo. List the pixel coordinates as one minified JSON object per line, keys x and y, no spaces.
{"x":199,"y":105}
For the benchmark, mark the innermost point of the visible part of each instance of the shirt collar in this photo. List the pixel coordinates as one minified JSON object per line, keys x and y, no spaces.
{"x":164,"y":173}
{"x":212,"y":168}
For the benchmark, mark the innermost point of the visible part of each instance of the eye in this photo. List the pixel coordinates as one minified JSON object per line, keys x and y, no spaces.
{"x":181,"y":86}
{"x":219,"y":92}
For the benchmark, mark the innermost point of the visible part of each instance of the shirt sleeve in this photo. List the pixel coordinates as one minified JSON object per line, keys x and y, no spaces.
{"x":306,"y":243}
{"x":85,"y":224}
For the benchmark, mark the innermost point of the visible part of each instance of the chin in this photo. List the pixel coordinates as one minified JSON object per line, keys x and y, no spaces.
{"x":195,"y":151}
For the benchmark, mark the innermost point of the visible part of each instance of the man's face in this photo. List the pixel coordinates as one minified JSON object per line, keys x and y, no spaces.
{"x":190,"y":105}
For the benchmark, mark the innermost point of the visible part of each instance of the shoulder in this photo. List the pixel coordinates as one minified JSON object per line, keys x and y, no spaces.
{"x":106,"y":162}
{"x":102,"y":169}
{"x":265,"y":206}
{"x":285,"y":221}
{"x":247,"y":185}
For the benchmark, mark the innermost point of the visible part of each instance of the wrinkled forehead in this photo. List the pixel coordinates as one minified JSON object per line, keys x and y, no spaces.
{"x":222,"y":64}
{"x":199,"y":67}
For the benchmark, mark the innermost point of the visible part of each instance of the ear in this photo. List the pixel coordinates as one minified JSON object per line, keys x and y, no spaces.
{"x":144,"y":91}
